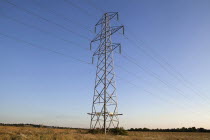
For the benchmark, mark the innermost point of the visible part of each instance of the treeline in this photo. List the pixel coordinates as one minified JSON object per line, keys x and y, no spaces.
{"x":183,"y":129}
{"x":35,"y":125}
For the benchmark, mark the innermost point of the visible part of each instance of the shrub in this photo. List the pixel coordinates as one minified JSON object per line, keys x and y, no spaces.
{"x":96,"y":131}
{"x":118,"y":131}
{"x":113,"y":131}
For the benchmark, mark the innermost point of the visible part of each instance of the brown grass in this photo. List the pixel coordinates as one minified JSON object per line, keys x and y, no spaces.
{"x":31,"y":133}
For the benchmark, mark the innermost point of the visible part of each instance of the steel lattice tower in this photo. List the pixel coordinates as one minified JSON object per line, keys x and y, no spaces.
{"x":105,"y":108}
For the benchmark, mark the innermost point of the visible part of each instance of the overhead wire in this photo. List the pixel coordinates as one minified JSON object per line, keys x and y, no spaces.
{"x":47,"y":20}
{"x":135,"y":75}
{"x":54,"y":12}
{"x":189,"y":83}
{"x":170,"y":73}
{"x":140,"y":78}
{"x":41,"y":30}
{"x":78,"y":7}
{"x":94,"y":6}
{"x":42,"y":48}
{"x":156,"y":76}
{"x":162,"y":99}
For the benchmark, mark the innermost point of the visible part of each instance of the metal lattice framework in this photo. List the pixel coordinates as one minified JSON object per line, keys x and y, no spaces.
{"x":105,"y":108}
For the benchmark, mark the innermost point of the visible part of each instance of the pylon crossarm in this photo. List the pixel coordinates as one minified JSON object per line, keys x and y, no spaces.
{"x":102,"y":35}
{"x":113,"y":46}
{"x":111,"y":16}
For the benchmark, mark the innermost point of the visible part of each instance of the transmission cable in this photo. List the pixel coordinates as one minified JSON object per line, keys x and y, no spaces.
{"x":137,"y":77}
{"x":78,"y":7}
{"x":42,"y":48}
{"x":47,"y":20}
{"x":158,"y":78}
{"x":63,"y":17}
{"x":170,"y":73}
{"x":160,"y":98}
{"x":42,"y":31}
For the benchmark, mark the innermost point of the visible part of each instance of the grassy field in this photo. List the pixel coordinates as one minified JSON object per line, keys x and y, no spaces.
{"x":31,"y":133}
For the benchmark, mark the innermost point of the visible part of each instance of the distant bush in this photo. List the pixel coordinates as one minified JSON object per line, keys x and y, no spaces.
{"x":118,"y":131}
{"x":96,"y":131}
{"x":113,"y":131}
{"x":35,"y":125}
{"x":183,"y":129}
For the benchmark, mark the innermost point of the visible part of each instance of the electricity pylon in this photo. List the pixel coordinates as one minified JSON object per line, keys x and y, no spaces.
{"x":104,"y":108}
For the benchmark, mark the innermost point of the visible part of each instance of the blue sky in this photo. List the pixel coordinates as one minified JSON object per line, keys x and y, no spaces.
{"x":38,"y":86}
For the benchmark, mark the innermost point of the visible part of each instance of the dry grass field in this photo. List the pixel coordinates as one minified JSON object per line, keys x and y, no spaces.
{"x":31,"y":133}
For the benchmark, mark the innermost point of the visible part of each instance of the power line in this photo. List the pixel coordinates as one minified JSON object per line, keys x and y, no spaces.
{"x":93,"y":5}
{"x":137,"y":77}
{"x":156,"y":60}
{"x":47,"y":20}
{"x":158,"y":97}
{"x":78,"y":7}
{"x":148,"y":72}
{"x":158,"y":78}
{"x":189,"y":84}
{"x":42,"y":48}
{"x":169,"y":66}
{"x":63,"y":17}
{"x":41,"y":30}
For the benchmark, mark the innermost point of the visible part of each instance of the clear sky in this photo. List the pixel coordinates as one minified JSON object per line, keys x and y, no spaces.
{"x":42,"y":87}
